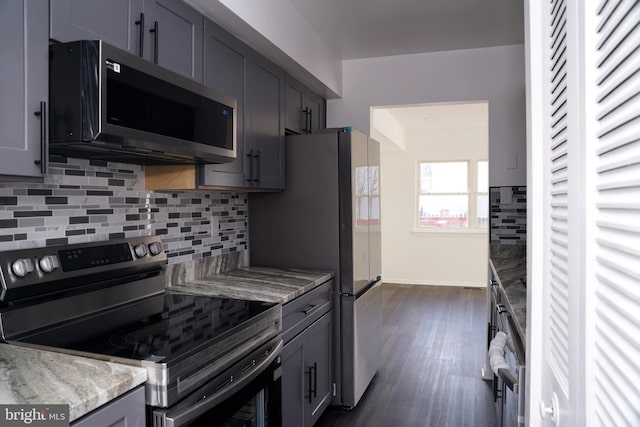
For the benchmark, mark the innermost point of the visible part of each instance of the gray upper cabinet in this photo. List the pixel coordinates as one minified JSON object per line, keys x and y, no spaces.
{"x":265,"y":132}
{"x":225,"y":70}
{"x":176,"y":36}
{"x":117,"y":22}
{"x":24,"y":85}
{"x":167,"y":32}
{"x":234,"y":69}
{"x":305,"y":110}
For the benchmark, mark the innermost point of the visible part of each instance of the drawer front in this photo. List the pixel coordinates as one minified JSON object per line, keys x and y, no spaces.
{"x":306,"y":309}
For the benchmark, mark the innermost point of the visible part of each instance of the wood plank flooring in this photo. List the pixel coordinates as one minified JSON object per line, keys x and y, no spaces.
{"x":433,"y":351}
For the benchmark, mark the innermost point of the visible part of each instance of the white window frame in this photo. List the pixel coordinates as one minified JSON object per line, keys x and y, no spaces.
{"x":472,"y":193}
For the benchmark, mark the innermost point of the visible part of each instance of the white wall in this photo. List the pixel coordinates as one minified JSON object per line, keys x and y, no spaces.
{"x":493,"y":74}
{"x":420,"y":257}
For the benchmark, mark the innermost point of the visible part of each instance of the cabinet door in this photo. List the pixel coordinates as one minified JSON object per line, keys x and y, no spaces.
{"x":295,"y":385}
{"x":24,"y":77}
{"x":315,"y":108}
{"x":265,"y":131}
{"x":176,"y":36}
{"x":113,"y":21}
{"x":225,"y":67}
{"x":127,"y":410}
{"x":294,"y":106}
{"x":318,"y":353}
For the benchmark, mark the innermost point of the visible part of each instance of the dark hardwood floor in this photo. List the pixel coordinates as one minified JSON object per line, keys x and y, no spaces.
{"x":433,"y":351}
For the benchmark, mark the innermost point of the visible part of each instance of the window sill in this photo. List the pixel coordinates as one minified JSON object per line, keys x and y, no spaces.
{"x":452,"y":231}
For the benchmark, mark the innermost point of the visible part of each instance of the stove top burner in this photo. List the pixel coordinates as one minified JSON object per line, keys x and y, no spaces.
{"x":168,"y":325}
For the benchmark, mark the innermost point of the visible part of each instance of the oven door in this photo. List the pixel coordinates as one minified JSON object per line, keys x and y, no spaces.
{"x":247,"y":394}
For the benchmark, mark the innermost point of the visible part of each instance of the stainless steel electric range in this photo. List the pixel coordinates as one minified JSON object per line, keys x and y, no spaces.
{"x":206,"y":357}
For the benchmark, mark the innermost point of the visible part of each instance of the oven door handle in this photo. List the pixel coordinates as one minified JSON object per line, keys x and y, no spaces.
{"x":190,"y":409}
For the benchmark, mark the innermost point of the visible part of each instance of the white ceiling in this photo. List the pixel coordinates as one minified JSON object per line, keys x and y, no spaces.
{"x":373,"y":28}
{"x":417,"y":117}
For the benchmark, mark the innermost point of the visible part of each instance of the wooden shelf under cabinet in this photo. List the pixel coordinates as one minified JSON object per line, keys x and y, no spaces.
{"x":170,"y":177}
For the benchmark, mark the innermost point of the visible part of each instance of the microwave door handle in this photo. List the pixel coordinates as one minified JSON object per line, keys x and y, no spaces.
{"x":140,"y":23}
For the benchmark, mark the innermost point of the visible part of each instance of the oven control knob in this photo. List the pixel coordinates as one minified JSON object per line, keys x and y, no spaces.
{"x":22,"y":267}
{"x":48,"y":263}
{"x":140,"y":250}
{"x":155,"y":248}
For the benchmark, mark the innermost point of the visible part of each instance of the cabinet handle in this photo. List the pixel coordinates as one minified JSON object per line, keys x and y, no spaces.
{"x":257,"y":157}
{"x":250,"y":156}
{"x":140,"y":22}
{"x":44,"y":138}
{"x":315,"y":379}
{"x":309,"y":309}
{"x":310,"y":388}
{"x":155,"y":31}
{"x":306,"y":119}
{"x":310,"y":118}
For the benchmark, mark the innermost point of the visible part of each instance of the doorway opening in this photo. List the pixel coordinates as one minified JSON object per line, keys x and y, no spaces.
{"x":434,"y":187}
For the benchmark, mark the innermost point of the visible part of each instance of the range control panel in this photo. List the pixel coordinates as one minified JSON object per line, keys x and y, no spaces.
{"x":37,"y":266}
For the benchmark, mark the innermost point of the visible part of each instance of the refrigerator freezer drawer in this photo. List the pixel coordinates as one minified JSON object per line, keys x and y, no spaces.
{"x":361,"y":343}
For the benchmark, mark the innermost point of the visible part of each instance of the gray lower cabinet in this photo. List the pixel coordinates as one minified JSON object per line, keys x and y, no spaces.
{"x":127,"y":410}
{"x":305,"y":110}
{"x":167,"y":32}
{"x":307,"y":367}
{"x":24,"y":85}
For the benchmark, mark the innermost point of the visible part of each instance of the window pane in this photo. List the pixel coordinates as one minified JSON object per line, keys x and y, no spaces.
{"x":443,"y":177}
{"x":483,"y":211}
{"x":443,"y":211}
{"x":483,"y":177}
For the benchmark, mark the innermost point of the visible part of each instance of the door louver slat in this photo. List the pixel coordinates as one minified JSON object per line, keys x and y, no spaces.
{"x":616,"y":394}
{"x":558,"y":197}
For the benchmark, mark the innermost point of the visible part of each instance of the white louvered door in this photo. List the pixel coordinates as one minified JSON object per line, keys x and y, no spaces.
{"x":583,"y":333}
{"x":614,"y":392}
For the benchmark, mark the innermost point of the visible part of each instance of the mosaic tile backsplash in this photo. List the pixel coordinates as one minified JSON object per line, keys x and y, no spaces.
{"x":508,"y":222}
{"x":82,"y":200}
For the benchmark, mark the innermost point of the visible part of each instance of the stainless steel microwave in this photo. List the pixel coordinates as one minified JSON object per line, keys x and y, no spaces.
{"x":105,"y":103}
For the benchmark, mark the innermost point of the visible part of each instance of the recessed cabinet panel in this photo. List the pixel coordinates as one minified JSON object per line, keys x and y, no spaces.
{"x":294,"y":97}
{"x":318,"y":364}
{"x":113,"y":21}
{"x":266,"y":132}
{"x":225,"y":66}
{"x":24,"y":77}
{"x":176,"y":37}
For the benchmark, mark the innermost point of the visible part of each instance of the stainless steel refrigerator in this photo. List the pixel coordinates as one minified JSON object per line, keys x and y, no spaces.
{"x":328,"y":218}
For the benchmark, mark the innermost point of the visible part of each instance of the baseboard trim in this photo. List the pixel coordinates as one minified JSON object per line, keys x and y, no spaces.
{"x":434,"y":283}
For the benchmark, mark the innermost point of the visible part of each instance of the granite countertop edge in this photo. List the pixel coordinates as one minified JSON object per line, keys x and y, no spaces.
{"x":279,"y":285}
{"x":32,"y":376}
{"x":509,"y":272}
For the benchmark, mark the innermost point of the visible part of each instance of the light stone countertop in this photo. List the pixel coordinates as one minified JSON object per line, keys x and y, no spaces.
{"x":509,"y":272}
{"x":33,"y":376}
{"x":251,"y":283}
